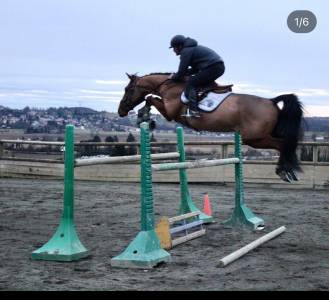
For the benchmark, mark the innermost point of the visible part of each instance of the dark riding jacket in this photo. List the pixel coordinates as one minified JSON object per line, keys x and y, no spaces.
{"x":195,"y":56}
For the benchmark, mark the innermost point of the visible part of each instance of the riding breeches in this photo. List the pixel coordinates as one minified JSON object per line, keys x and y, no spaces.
{"x":202,"y":78}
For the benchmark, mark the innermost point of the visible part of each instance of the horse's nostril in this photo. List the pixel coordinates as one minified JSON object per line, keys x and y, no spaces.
{"x":122,"y":112}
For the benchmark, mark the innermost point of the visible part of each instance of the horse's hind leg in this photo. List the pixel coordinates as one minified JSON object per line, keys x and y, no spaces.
{"x":285,"y":169}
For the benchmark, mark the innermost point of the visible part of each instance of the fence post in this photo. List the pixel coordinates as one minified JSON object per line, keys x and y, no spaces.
{"x":2,"y":146}
{"x":65,"y":244}
{"x":315,"y":154}
{"x":224,"y":151}
{"x":242,"y":215}
{"x":145,"y":250}
{"x":187,"y":205}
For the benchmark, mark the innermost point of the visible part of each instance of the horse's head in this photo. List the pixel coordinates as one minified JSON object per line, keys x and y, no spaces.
{"x":134,"y":95}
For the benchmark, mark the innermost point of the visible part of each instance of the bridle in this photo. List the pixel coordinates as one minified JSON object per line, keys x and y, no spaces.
{"x":154,"y":90}
{"x":146,"y":108}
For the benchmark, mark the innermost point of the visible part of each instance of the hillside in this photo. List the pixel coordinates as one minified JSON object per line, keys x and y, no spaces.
{"x":53,"y":120}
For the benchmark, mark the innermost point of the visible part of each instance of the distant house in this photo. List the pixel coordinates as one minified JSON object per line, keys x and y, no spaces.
{"x":35,"y":125}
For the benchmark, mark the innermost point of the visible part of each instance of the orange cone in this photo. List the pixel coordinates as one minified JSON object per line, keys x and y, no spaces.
{"x":206,"y":205}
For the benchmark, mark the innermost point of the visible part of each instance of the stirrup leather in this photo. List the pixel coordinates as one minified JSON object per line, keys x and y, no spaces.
{"x":191,"y":113}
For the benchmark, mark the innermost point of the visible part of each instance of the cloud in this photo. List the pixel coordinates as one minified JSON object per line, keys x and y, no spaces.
{"x":316,"y":110}
{"x":101,"y":98}
{"x":251,"y":88}
{"x":313,"y":92}
{"x":111,"y":82}
{"x":39,"y":91}
{"x":96,"y":92}
{"x":90,"y":93}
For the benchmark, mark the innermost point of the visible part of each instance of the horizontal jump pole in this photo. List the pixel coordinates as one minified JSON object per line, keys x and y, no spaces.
{"x":186,"y":226}
{"x":184,"y":216}
{"x":188,"y":237}
{"x":237,"y":254}
{"x":41,"y":143}
{"x":121,"y":159}
{"x":194,"y":164}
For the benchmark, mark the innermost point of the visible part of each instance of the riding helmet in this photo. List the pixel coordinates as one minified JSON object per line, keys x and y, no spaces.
{"x":177,"y":40}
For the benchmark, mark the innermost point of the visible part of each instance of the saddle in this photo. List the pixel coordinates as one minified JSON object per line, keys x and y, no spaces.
{"x":214,"y":88}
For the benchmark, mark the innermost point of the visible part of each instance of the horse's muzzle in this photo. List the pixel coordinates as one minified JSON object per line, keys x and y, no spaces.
{"x":122,"y":112}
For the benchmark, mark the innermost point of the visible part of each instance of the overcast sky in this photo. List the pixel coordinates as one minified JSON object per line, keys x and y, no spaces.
{"x":75,"y":52}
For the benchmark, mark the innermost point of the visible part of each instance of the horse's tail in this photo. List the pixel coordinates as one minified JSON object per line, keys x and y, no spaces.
{"x":289,"y":128}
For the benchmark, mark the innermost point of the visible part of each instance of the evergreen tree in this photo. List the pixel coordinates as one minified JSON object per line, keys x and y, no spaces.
{"x":109,"y":149}
{"x":132,"y":150}
{"x":118,"y":149}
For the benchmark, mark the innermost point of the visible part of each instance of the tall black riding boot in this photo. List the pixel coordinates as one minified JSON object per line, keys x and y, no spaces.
{"x":193,"y":103}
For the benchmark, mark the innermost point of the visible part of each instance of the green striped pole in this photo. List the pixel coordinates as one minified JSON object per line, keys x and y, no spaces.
{"x":145,"y":250}
{"x":242,"y":215}
{"x":187,"y":205}
{"x":65,"y":244}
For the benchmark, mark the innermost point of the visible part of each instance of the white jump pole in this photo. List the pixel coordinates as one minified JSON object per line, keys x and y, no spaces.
{"x":79,"y":162}
{"x":194,"y":164}
{"x":237,"y":254}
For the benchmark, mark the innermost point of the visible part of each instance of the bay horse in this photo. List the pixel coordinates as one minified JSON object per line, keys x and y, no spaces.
{"x":260,"y":121}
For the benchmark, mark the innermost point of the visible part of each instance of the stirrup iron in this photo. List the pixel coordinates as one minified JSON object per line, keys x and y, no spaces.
{"x":191,"y":113}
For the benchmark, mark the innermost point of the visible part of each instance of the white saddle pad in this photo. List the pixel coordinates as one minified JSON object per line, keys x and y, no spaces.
{"x":211,"y":102}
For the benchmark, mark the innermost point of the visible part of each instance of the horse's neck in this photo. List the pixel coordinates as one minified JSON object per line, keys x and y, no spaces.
{"x":153,"y":82}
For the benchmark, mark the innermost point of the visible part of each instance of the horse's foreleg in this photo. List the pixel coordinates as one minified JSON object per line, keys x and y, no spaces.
{"x":158,"y":103}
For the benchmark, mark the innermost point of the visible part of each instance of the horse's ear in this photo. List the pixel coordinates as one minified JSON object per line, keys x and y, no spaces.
{"x":131,"y":76}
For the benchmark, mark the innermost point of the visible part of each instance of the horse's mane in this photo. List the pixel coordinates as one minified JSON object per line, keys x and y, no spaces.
{"x":159,"y":73}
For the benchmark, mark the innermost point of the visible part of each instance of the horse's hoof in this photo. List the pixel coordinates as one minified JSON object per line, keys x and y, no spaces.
{"x":278,"y":172}
{"x":294,"y":176}
{"x":284,"y":176}
{"x":152,"y":125}
{"x":289,"y":177}
{"x":139,"y":121}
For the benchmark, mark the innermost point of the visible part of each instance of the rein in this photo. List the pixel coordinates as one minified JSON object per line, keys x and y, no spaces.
{"x":154,"y":90}
{"x":144,"y":112}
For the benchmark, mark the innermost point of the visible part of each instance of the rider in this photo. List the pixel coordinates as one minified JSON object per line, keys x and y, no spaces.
{"x":205,"y":66}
